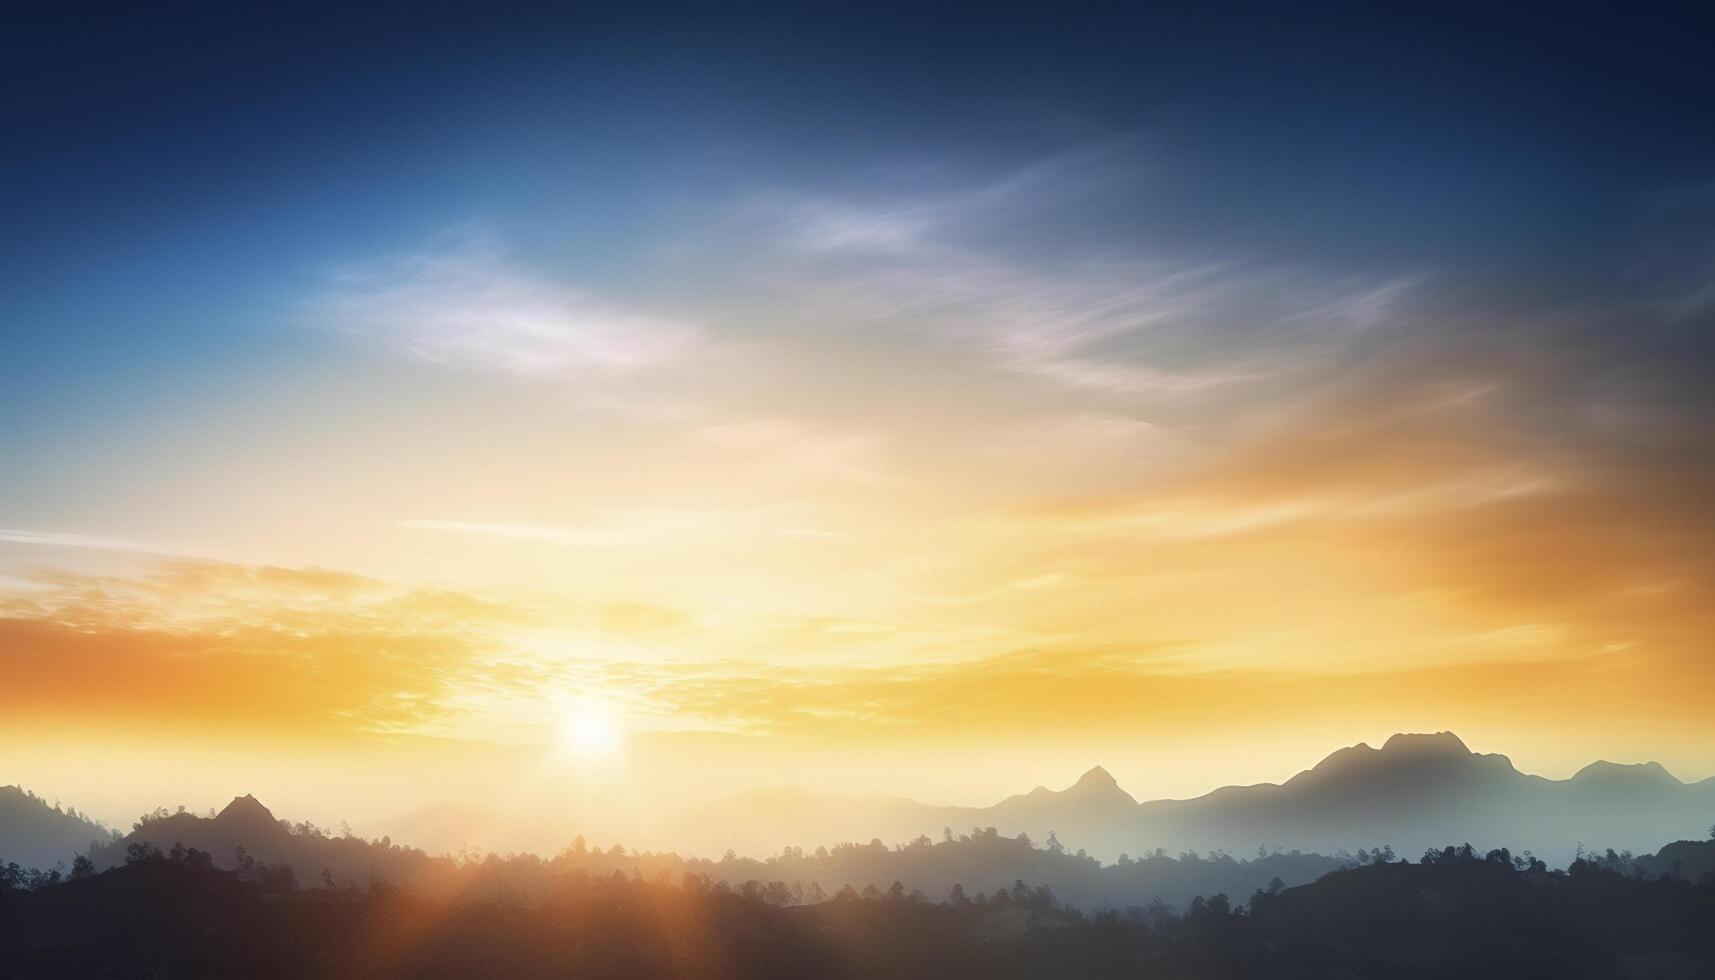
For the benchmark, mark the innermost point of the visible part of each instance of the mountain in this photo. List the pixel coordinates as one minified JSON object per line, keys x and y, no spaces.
{"x":35,"y":834}
{"x":1420,"y":791}
{"x":1415,"y":791}
{"x":1084,"y":811}
{"x":1096,"y":793}
{"x":246,"y":823}
{"x":984,"y":862}
{"x":1692,"y":860}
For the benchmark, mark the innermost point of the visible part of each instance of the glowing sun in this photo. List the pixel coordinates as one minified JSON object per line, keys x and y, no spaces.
{"x":589,"y":732}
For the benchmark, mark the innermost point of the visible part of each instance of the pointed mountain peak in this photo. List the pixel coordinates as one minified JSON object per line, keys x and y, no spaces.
{"x":1095,"y":788}
{"x":1098,"y":787}
{"x":1440,"y":743}
{"x":245,"y":808}
{"x":1096,"y":778}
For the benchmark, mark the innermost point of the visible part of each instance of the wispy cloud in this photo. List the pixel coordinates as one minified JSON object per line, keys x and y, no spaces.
{"x":649,"y":529}
{"x":795,"y":450}
{"x":463,"y":302}
{"x":57,"y":539}
{"x":545,"y":533}
{"x":1123,"y":321}
{"x":912,"y":223}
{"x":93,"y":542}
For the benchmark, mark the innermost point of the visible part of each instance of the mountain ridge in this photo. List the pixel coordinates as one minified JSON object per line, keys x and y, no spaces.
{"x":1417,"y":790}
{"x":36,"y":833}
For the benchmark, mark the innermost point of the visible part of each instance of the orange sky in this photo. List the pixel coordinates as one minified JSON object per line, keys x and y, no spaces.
{"x":895,"y":510}
{"x":762,"y":602}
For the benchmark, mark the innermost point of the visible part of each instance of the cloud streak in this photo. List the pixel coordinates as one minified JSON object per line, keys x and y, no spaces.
{"x":1113,"y":320}
{"x":463,"y":303}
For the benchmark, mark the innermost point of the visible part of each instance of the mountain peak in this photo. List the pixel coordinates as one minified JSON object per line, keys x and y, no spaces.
{"x":1096,"y":778}
{"x":1440,"y":743}
{"x":1097,"y":787}
{"x":245,"y":809}
{"x":1404,"y":753}
{"x":1642,"y":773}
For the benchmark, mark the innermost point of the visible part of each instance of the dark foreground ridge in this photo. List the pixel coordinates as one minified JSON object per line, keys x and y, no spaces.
{"x":1456,"y":913}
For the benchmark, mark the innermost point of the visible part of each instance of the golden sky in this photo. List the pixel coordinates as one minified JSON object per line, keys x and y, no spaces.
{"x":862,"y":501}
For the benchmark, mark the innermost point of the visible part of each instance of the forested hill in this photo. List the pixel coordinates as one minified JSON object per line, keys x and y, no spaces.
{"x":39,"y":834}
{"x":980,"y":860}
{"x":1457,"y":913}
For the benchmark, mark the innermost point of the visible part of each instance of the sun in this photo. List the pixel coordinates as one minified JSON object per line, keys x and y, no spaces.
{"x":591,"y":732}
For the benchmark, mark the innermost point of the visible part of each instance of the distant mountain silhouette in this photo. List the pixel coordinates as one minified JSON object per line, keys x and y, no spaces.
{"x":1095,"y":791}
{"x":246,"y":811}
{"x":1084,"y":811}
{"x":246,"y":837}
{"x":1416,"y":791}
{"x":1690,"y":860}
{"x":35,"y":833}
{"x":981,"y":862}
{"x":246,"y":823}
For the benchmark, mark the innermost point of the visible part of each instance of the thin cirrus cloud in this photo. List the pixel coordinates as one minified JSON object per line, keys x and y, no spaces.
{"x":1119,"y":320}
{"x":464,"y":303}
{"x":543,"y":533}
{"x":912,"y":223}
{"x":647,"y":529}
{"x":62,"y":539}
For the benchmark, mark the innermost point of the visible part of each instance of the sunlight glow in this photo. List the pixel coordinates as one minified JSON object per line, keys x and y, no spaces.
{"x":591,"y":732}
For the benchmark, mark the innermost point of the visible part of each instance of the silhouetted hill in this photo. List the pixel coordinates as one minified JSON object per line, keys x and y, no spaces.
{"x":246,"y":812}
{"x":34,"y":833}
{"x":1081,"y":812}
{"x":1688,"y":860}
{"x":1643,"y":777}
{"x":980,"y":861}
{"x":172,"y":918}
{"x":1472,"y":917}
{"x":245,"y":823}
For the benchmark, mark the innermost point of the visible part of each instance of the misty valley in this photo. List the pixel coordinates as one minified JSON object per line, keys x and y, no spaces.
{"x":241,"y":892}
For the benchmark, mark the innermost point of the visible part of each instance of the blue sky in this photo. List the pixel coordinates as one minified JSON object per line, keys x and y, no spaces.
{"x":1212,"y":338}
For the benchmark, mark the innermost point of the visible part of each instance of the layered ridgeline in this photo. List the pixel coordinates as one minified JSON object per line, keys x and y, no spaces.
{"x":246,"y":837}
{"x":1415,"y":792}
{"x":37,"y":834}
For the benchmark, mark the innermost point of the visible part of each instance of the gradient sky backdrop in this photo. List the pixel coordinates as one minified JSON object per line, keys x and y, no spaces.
{"x":872,"y":400}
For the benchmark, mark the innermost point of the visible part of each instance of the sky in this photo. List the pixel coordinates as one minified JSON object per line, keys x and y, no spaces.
{"x":637,"y":405}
